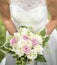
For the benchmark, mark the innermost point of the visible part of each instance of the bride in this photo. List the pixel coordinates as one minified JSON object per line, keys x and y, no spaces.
{"x":16,"y":13}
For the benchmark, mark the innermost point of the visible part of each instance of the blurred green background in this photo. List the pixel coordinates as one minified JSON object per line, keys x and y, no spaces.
{"x":2,"y":32}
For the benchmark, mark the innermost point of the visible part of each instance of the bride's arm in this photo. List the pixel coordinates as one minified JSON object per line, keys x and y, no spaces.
{"x":52,"y":7}
{"x":5,"y":13}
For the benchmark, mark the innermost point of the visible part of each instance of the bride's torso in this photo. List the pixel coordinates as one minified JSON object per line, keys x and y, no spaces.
{"x":29,"y":13}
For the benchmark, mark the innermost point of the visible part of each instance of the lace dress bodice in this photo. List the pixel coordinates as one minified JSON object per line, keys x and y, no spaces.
{"x":29,"y":13}
{"x":28,"y":4}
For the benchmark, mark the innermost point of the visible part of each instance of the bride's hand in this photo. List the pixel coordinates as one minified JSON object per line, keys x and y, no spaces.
{"x":51,"y":25}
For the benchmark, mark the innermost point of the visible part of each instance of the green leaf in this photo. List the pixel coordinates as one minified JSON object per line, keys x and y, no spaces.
{"x":2,"y":55}
{"x":18,"y":61}
{"x":7,"y":48}
{"x":21,"y":60}
{"x":15,"y":55}
{"x":43,"y":32}
{"x":24,"y":27}
{"x":45,"y":40}
{"x":41,"y":58}
{"x":7,"y":44}
{"x":3,"y":48}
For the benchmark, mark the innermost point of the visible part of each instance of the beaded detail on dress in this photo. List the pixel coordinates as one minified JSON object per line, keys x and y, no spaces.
{"x":28,"y":4}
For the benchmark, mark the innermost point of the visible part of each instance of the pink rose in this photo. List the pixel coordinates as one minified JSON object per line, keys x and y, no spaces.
{"x":26,"y":49}
{"x":13,"y":41}
{"x":25,"y":37}
{"x":34,"y":42}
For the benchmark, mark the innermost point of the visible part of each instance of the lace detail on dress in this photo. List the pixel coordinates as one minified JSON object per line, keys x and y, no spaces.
{"x":28,"y":4}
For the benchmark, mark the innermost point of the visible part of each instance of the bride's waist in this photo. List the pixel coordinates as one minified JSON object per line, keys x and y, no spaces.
{"x":36,"y":27}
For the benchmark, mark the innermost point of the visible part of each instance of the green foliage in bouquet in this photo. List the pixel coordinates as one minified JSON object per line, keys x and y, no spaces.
{"x":44,"y":37}
{"x":41,"y":58}
{"x":2,"y":33}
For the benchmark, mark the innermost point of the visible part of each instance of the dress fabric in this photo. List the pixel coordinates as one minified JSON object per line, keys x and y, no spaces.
{"x":33,"y":13}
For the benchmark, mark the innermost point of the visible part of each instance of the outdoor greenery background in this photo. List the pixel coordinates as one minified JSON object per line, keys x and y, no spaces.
{"x":2,"y":32}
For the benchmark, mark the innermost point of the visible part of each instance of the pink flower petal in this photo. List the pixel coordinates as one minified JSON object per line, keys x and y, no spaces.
{"x":25,"y":37}
{"x":34,"y":42}
{"x":13,"y":41}
{"x":26,"y":49}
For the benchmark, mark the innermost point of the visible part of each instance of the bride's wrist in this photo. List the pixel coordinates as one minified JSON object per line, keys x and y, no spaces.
{"x":51,"y":25}
{"x":56,"y":25}
{"x":54,"y":19}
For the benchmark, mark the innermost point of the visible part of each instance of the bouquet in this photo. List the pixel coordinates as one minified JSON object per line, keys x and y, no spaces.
{"x":26,"y":45}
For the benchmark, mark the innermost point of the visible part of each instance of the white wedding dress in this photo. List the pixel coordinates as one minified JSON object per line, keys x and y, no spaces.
{"x":33,"y":13}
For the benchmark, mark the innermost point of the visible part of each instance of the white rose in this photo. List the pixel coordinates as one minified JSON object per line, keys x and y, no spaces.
{"x":22,"y":42}
{"x":28,"y":43}
{"x":40,"y":39}
{"x":32,"y":34}
{"x":17,"y":34}
{"x":24,"y":31}
{"x":32,"y":55}
{"x":19,"y":51}
{"x":38,"y":49}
